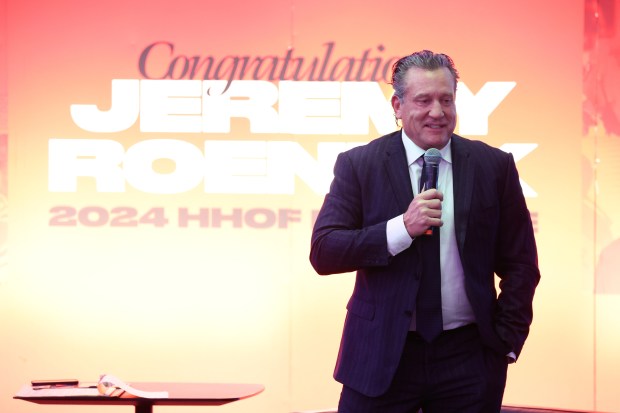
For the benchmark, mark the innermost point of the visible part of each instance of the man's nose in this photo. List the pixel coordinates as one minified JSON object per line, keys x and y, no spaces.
{"x":436,"y":110}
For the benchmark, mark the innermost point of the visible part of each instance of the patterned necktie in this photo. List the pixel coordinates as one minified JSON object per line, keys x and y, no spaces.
{"x":429,"y":322}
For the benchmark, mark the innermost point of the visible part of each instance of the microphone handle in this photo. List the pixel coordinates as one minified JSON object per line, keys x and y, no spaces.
{"x":432,"y":171}
{"x":431,"y":176}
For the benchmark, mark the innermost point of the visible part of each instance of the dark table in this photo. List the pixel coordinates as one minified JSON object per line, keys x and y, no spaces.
{"x":179,"y":394}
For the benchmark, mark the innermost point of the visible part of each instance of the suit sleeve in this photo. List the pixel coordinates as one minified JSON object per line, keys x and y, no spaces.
{"x":516,"y":263}
{"x":341,"y":240}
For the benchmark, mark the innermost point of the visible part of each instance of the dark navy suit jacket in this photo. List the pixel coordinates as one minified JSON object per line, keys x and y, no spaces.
{"x":494,"y":234}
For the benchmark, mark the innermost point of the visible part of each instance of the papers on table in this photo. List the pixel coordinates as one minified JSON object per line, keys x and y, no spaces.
{"x":107,"y":386}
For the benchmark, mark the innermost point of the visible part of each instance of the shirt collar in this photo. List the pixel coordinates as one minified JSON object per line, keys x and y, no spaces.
{"x":414,"y":152}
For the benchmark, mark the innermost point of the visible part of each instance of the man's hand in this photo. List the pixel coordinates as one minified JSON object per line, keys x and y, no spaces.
{"x":423,"y":212}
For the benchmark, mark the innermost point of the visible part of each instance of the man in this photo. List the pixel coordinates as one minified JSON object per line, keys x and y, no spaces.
{"x":371,"y":223}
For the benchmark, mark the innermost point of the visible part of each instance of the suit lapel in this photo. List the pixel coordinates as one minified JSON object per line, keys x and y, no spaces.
{"x":463,"y":175}
{"x":395,"y":163}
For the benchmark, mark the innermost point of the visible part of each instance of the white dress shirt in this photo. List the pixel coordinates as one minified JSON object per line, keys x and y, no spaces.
{"x":456,"y":309}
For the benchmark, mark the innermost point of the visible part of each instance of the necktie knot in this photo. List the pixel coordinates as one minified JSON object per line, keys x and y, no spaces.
{"x":422,"y":176}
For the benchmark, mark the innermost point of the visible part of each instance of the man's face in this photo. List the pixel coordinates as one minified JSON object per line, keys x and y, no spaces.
{"x":427,"y":109}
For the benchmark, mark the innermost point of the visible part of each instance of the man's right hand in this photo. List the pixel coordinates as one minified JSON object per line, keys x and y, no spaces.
{"x":423,"y":212}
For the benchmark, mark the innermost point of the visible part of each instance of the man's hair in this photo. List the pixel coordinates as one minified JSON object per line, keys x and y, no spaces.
{"x":424,"y":59}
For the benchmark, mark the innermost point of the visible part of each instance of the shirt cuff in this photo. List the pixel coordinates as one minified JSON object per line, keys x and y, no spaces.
{"x":398,"y":239}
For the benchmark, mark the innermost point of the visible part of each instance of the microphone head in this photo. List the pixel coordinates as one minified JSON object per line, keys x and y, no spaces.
{"x":432,"y":156}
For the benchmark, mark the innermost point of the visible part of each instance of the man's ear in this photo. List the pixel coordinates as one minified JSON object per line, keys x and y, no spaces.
{"x":396,"y":105}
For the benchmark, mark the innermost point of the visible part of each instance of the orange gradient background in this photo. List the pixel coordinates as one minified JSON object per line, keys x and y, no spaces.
{"x":243,"y":304}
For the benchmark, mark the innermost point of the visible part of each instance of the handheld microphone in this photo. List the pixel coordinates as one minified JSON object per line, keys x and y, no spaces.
{"x":432,"y":158}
